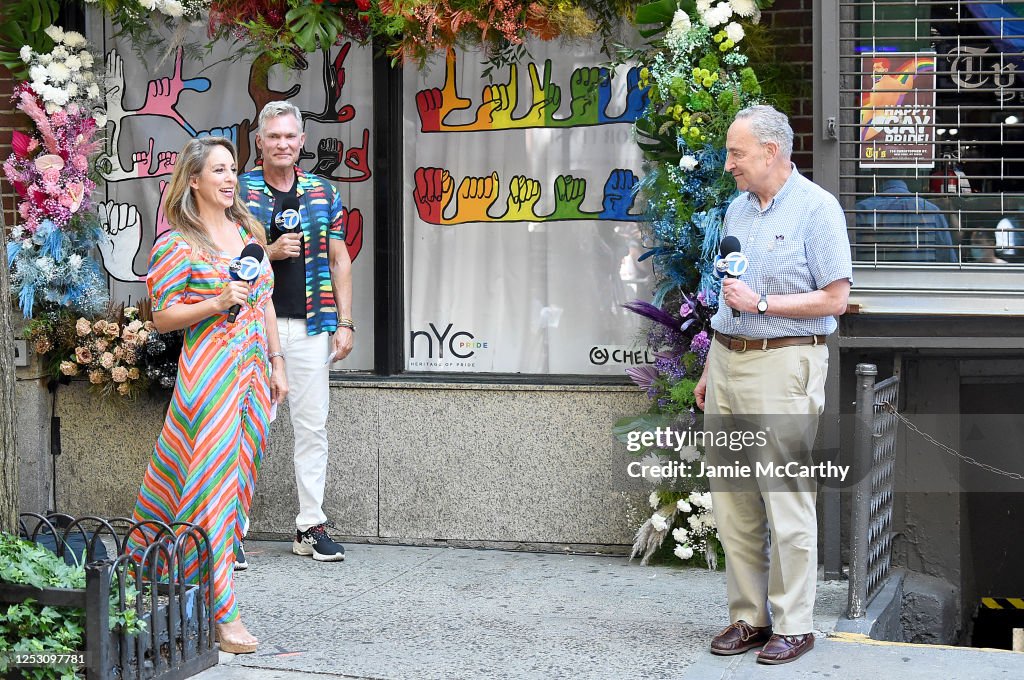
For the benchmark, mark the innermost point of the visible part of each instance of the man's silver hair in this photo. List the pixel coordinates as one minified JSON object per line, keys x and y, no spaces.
{"x":275,"y":109}
{"x":769,"y":125}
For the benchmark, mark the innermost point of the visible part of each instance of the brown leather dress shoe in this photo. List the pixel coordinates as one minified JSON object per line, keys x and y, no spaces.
{"x":785,"y":648}
{"x":739,"y":637}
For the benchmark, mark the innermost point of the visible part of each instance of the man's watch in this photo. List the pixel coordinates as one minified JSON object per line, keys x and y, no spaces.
{"x":762,"y":305}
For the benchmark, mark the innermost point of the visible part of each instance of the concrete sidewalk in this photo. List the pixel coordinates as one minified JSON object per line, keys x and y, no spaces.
{"x":395,"y":612}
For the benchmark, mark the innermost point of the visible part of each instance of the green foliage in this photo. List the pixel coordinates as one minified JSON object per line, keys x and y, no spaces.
{"x":23,"y":24}
{"x":314,"y":25}
{"x":30,"y":627}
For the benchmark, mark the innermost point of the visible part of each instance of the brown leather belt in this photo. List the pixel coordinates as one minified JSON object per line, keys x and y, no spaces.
{"x":742,"y":345}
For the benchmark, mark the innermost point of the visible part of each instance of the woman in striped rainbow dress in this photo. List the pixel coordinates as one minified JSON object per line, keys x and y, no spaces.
{"x":208,"y":454}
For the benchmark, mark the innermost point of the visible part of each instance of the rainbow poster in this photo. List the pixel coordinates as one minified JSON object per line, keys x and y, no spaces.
{"x":897,"y":110}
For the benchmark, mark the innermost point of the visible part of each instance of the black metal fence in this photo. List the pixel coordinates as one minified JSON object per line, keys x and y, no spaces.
{"x":874,"y":471}
{"x":162,"y":572}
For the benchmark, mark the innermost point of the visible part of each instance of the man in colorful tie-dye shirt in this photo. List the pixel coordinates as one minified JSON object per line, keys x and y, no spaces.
{"x":313,"y":295}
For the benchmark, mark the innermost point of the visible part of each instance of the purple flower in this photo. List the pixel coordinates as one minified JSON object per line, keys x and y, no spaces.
{"x":702,"y":298}
{"x":643,"y":376}
{"x":686,"y":310}
{"x":700,"y":342}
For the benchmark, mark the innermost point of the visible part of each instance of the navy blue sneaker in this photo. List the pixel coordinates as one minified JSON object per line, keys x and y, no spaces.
{"x":315,"y":541}
{"x":240,"y":563}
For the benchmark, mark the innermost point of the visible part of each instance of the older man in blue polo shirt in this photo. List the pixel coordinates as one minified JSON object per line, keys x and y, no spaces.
{"x":771,"y":359}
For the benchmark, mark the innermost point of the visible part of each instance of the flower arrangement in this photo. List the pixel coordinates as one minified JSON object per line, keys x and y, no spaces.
{"x":120,"y":353}
{"x":49,"y":249}
{"x":698,"y":76}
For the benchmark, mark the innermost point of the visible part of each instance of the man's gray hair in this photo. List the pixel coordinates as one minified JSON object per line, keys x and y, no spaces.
{"x":275,"y":109}
{"x":769,"y":125}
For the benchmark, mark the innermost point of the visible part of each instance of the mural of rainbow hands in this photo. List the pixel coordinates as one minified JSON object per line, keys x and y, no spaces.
{"x":476,"y":197}
{"x":590,"y":97}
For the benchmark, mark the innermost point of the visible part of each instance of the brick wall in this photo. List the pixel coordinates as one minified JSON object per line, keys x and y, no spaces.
{"x":791,"y":23}
{"x":10,"y":119}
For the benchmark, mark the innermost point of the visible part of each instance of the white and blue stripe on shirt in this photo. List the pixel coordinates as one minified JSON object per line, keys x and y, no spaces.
{"x":797,"y":244}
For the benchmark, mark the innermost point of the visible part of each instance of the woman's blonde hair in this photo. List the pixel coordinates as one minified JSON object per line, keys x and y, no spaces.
{"x":180,"y":205}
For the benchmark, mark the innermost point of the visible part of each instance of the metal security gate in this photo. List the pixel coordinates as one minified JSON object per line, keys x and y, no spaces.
{"x":931,"y":130}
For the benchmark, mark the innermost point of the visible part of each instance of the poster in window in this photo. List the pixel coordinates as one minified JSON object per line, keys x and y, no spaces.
{"x":522,"y":227}
{"x":897,"y":110}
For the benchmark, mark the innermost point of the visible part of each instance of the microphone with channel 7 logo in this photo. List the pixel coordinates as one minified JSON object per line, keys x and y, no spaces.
{"x":246,"y":267}
{"x":731,"y":263}
{"x":288,"y":221}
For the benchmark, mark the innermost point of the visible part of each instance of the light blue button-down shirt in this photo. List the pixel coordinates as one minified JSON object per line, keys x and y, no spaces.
{"x":797,"y":244}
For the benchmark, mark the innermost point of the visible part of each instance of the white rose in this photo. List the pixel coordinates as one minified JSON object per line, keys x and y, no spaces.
{"x":101,"y":119}
{"x":93,"y":91}
{"x":653,"y":499}
{"x":684,"y":506}
{"x":148,"y":4}
{"x":687,"y":163}
{"x":74,"y":39}
{"x":734,"y":32}
{"x":172,"y":8}
{"x":85,"y":58}
{"x":680,"y":535}
{"x":56,"y":33}
{"x":659,"y":522}
{"x":26,"y":53}
{"x":683,"y":552}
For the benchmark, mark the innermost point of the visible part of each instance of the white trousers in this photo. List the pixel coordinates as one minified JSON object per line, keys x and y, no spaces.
{"x":770,"y":534}
{"x":308,"y":401}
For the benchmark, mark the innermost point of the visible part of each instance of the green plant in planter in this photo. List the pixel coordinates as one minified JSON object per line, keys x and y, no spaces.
{"x":28,"y":627}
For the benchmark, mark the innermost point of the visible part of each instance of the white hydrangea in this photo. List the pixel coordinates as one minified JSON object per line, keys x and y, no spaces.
{"x":683,"y":506}
{"x":26,"y":53}
{"x":680,"y":535}
{"x":687,"y":163}
{"x":717,"y":15}
{"x":659,"y":522}
{"x":54,"y":32}
{"x":734,"y":32}
{"x":683,"y":552}
{"x":74,"y":261}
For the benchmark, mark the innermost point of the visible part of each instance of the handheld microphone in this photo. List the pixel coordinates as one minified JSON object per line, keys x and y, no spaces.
{"x":731,"y":263}
{"x":288,"y":221}
{"x":245,"y":267}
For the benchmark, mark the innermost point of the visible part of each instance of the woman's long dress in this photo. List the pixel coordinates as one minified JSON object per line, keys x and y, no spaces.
{"x":208,"y":454}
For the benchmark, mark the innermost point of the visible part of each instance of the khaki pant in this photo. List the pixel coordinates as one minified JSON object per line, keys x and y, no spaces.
{"x":770,"y":534}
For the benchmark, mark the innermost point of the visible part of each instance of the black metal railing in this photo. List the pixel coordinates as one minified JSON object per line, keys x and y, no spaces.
{"x":162,"y":572}
{"x":874,"y":472}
